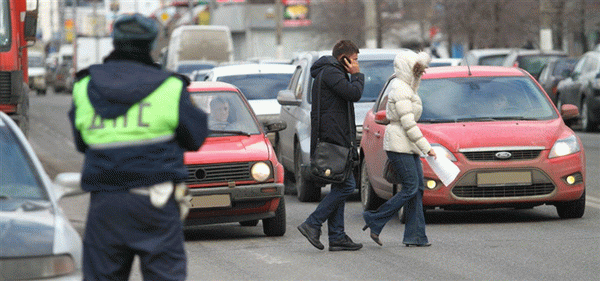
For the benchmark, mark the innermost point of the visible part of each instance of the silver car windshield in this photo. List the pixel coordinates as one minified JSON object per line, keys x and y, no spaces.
{"x":483,"y":99}
{"x":18,"y":179}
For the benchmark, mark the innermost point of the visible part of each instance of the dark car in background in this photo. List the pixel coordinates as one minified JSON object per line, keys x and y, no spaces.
{"x":582,"y":88}
{"x":531,"y":60}
{"x":555,"y":70}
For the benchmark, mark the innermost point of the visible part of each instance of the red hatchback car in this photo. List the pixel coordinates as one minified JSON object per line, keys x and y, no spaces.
{"x":503,"y":132}
{"x":235,"y":176}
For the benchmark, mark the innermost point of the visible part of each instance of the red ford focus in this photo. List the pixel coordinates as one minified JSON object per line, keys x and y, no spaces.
{"x":235,"y":176}
{"x":503,"y":132}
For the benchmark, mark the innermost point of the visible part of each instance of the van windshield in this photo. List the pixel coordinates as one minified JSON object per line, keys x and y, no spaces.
{"x":4,"y":25}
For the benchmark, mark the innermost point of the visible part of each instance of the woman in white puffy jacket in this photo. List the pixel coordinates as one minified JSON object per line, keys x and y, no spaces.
{"x":404,"y":144}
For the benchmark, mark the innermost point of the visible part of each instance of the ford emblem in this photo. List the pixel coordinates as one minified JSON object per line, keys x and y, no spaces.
{"x":503,"y":155}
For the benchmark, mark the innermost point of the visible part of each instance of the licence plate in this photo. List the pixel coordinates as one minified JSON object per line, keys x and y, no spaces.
{"x":211,"y":201}
{"x":504,"y":178}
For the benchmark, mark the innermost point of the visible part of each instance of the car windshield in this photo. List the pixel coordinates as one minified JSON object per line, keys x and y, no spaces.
{"x":18,"y":179}
{"x":492,"y":60}
{"x":376,"y":74}
{"x":483,"y":99}
{"x":4,"y":25}
{"x":189,"y":68}
{"x":227,"y":113}
{"x":259,"y":86}
{"x":534,"y":64}
{"x":35,"y":61}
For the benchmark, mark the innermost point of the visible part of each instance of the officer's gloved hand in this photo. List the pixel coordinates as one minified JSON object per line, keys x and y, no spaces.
{"x":160,"y":194}
{"x":183,"y":197}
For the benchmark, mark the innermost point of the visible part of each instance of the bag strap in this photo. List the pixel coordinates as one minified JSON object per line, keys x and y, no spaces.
{"x":318,"y":80}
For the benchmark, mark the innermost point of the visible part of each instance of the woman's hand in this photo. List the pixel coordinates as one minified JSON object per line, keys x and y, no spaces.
{"x":432,"y":153}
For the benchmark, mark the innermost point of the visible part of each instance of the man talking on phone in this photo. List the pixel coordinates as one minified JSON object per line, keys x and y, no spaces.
{"x":338,"y":92}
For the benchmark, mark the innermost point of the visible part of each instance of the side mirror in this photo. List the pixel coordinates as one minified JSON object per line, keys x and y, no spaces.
{"x":68,"y":184}
{"x":287,"y":97}
{"x":569,"y":111}
{"x":380,"y":118}
{"x":275,"y":126}
{"x":30,"y":25}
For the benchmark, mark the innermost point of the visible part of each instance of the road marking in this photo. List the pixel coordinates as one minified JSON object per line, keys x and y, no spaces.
{"x":592,"y":202}
{"x":268,"y":258}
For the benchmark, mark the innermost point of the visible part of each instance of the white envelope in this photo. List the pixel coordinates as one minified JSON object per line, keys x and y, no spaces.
{"x":443,"y":168}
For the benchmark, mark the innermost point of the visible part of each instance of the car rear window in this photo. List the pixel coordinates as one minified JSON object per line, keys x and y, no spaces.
{"x":483,"y":99}
{"x":534,"y":64}
{"x":259,"y":86}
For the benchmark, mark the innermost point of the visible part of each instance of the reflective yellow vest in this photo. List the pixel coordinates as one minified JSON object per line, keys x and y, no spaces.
{"x":153,"y":119}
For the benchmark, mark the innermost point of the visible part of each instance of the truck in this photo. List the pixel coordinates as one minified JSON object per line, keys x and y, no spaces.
{"x":18,"y":26}
{"x":187,"y":43}
{"x":91,"y":50}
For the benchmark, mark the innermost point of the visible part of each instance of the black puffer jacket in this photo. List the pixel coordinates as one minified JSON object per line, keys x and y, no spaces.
{"x":337,"y":95}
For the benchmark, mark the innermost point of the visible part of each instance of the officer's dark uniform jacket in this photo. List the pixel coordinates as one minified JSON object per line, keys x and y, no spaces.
{"x":133,"y":121}
{"x":337,"y":91}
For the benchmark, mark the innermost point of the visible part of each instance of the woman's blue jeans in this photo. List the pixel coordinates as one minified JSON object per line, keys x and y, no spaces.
{"x":331,"y":209}
{"x":410,"y":170}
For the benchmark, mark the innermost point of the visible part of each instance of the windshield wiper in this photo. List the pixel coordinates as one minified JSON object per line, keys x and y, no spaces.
{"x":437,"y":121}
{"x":241,"y":133}
{"x":512,"y":118}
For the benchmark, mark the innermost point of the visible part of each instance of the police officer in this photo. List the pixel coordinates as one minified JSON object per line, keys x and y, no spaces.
{"x":133,"y":121}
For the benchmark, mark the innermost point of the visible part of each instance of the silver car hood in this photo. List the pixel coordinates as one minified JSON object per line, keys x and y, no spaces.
{"x":27,"y":230}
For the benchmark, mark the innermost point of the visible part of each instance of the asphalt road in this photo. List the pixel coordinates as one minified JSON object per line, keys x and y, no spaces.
{"x":504,"y":244}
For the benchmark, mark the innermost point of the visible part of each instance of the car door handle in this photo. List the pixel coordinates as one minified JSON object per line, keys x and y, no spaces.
{"x":377,"y":135}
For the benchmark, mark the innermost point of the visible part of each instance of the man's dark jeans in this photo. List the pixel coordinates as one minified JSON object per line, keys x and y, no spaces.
{"x":331,"y":209}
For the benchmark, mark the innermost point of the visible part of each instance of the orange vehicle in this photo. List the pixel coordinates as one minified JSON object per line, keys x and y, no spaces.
{"x":18,"y":24}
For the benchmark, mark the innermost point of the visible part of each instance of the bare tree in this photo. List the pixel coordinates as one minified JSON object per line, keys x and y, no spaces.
{"x":338,"y":19}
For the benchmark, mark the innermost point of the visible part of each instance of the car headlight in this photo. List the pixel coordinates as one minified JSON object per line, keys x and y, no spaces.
{"x":441,"y":151}
{"x":260,"y":171}
{"x":563,"y":147}
{"x":36,"y":267}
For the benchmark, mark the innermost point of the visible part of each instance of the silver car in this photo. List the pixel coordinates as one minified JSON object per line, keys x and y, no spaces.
{"x":293,"y":143}
{"x":36,"y":239}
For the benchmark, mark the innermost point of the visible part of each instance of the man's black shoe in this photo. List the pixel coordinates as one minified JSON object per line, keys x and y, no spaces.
{"x":312,"y":234}
{"x":344,"y":244}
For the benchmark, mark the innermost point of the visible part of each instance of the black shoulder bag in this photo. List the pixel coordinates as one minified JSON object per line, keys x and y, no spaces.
{"x":330,"y":163}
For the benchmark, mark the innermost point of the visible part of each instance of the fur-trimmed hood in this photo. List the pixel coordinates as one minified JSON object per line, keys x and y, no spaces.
{"x":404,"y":63}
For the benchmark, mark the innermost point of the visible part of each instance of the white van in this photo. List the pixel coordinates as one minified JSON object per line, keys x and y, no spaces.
{"x":199,"y":43}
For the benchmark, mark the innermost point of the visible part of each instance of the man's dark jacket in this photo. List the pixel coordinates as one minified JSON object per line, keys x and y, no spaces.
{"x":337,"y":95}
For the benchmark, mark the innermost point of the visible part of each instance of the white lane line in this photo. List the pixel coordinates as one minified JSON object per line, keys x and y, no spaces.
{"x":268,"y":259}
{"x":592,"y":202}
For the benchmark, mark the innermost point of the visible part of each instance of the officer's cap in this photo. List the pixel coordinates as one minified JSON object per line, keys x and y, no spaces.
{"x":136,"y":27}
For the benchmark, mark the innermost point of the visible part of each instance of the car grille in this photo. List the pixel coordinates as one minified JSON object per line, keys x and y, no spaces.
{"x":503,"y":191}
{"x":467,"y":187}
{"x":5,"y":87}
{"x":491,"y":155}
{"x":213,"y":173}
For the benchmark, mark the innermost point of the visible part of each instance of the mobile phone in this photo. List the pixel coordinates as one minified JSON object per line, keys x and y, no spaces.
{"x":346,"y":60}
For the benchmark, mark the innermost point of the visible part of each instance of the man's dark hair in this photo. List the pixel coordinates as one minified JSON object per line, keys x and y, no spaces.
{"x":344,"y":47}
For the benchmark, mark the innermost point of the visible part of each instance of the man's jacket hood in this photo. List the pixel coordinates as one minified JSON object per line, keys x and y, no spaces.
{"x":116,"y":86}
{"x":323,"y":62}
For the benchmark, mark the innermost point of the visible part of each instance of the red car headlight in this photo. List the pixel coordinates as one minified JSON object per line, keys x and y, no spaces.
{"x":563,"y":147}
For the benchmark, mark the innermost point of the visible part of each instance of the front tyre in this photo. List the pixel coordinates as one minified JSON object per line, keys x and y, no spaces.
{"x":369,"y":199}
{"x":275,"y":226}
{"x":307,"y":191}
{"x":571,"y":209}
{"x":586,"y":118}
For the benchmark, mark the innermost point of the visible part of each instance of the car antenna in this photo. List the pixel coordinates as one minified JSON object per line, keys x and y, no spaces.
{"x":468,"y":67}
